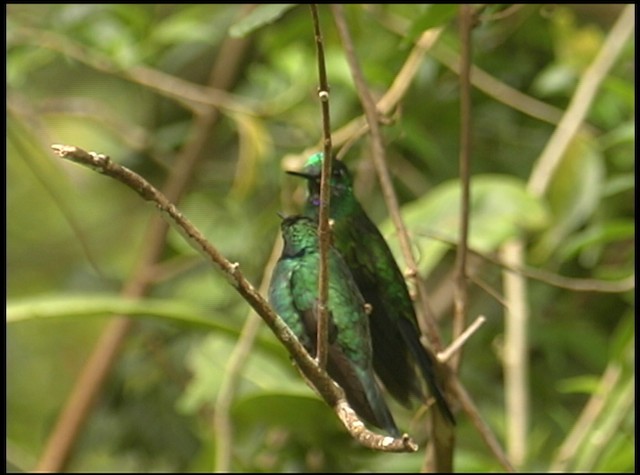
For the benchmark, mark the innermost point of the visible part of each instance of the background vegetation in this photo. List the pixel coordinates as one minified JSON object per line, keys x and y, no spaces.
{"x":214,"y":102}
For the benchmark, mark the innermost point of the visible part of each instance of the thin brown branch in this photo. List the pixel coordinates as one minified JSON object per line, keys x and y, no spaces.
{"x":483,"y":429}
{"x":573,"y":283}
{"x":581,"y":101}
{"x":456,"y":344}
{"x":331,"y":393}
{"x":357,"y":127}
{"x":442,"y":433}
{"x":378,"y":155}
{"x":433,"y":334}
{"x":192,"y":96}
{"x":461,"y":293}
{"x":550,"y":278}
{"x":324,"y":232}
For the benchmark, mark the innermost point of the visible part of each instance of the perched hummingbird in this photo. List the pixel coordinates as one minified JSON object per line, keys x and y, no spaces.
{"x":293,"y":293}
{"x":394,"y":329}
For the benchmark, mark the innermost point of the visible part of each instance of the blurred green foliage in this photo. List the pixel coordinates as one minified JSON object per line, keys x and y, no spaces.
{"x":74,"y":237}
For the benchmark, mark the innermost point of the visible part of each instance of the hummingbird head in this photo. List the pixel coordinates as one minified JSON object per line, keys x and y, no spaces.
{"x":341,"y":180}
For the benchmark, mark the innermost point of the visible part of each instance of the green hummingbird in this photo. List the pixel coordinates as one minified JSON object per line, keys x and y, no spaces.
{"x":293,"y":292}
{"x":394,"y":329}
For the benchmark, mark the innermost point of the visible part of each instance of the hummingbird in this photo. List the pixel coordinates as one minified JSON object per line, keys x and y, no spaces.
{"x":395,"y":333}
{"x":293,"y":292}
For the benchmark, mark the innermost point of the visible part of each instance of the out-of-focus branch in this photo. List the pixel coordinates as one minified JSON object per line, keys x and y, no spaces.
{"x":77,"y":408}
{"x":191,"y":95}
{"x":483,"y":429}
{"x":516,"y":362}
{"x":590,"y":413}
{"x":516,"y":316}
{"x":357,"y":127}
{"x":581,"y":101}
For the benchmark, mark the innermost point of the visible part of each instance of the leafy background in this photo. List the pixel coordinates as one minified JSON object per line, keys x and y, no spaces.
{"x":101,"y":77}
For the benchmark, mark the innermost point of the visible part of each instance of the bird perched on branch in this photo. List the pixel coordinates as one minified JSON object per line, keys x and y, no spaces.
{"x":395,"y":333}
{"x":293,"y":293}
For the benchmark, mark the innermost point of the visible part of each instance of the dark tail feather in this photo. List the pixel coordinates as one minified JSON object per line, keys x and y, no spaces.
{"x":362,"y":391}
{"x":378,"y":404}
{"x":427,"y":367}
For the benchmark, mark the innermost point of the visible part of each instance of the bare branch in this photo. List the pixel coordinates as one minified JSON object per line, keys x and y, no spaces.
{"x":324,"y":232}
{"x":483,"y":429}
{"x":571,"y":283}
{"x":461,"y":292}
{"x":455,"y":345}
{"x":581,"y":101}
{"x":441,"y":431}
{"x":191,"y":95}
{"x":392,"y":205}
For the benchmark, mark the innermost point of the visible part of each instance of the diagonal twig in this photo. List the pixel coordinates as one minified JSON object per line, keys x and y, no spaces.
{"x":441,"y":433}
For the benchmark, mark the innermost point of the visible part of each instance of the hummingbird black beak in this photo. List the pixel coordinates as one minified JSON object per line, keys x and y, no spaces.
{"x":307,"y":176}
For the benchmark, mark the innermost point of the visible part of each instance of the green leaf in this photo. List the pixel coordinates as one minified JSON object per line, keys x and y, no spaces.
{"x":262,"y":372}
{"x":192,"y":24}
{"x":579,"y":385}
{"x":435,"y":15}
{"x":262,"y":15}
{"x":304,"y":414}
{"x":501,"y":209}
{"x":607,"y":233}
{"x":84,"y":305}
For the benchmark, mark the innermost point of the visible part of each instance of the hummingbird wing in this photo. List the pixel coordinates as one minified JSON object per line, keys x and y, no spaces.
{"x":349,"y":351}
{"x":281,"y":298}
{"x":359,"y":242}
{"x":394,"y":327}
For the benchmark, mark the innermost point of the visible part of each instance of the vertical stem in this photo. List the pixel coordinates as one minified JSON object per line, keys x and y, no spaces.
{"x":324,"y":232}
{"x":461,"y":290}
{"x":516,"y":363}
{"x":516,"y":344}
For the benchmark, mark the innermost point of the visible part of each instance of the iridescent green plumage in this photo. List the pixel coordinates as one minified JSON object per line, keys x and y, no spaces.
{"x":293,"y":294}
{"x":394,"y":329}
